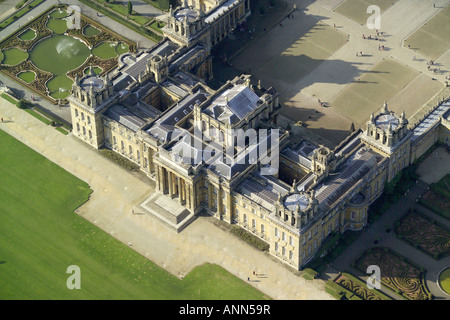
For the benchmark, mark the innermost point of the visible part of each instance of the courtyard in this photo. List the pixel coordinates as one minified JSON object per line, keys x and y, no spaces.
{"x":320,"y":54}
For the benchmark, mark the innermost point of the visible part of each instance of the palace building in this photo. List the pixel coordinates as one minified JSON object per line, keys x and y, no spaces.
{"x":222,"y":152}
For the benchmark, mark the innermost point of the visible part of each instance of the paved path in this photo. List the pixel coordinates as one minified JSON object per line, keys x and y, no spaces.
{"x":117,"y":192}
{"x":7,"y":7}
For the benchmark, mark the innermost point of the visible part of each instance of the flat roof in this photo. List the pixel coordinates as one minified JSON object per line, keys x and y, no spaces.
{"x":429,"y":121}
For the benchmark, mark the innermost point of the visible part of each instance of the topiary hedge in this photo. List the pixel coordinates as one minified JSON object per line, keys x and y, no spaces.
{"x":250,"y":238}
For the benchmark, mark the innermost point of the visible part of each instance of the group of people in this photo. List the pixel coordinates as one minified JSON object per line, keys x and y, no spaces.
{"x":377,"y":38}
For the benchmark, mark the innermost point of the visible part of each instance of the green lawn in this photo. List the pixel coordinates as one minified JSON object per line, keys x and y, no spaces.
{"x":444,"y":280}
{"x":27,"y":76}
{"x":40,"y":236}
{"x":433,"y":38}
{"x":357,"y":9}
{"x":13,"y":56}
{"x":372,"y":89}
{"x":305,"y":54}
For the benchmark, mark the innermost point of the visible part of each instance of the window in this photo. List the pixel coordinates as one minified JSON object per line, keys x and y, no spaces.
{"x":283,"y":236}
{"x":78,"y":127}
{"x":276,"y":246}
{"x":245,"y":218}
{"x":130,"y":149}
{"x":76,"y":113}
{"x":283,"y":251}
{"x":82,"y":116}
{"x":276,"y":232}
{"x":253,"y":223}
{"x":90,"y":134}
{"x":263,"y":229}
{"x":353,"y":215}
{"x":291,"y":241}
{"x":84,"y":130}
{"x":114,"y":140}
{"x":291,"y":255}
{"x":89,"y":120}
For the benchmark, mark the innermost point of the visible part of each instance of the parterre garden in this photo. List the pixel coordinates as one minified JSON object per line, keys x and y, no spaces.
{"x":47,"y":54}
{"x":425,"y":234}
{"x":438,"y":197}
{"x":397,"y":273}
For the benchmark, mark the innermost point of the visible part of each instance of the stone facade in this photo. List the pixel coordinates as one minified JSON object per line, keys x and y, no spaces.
{"x":156,"y":110}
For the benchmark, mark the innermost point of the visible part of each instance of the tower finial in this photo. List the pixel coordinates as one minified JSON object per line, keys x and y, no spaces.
{"x":385,"y":107}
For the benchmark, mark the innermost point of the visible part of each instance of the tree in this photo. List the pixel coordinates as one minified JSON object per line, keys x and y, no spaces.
{"x":22,"y":104}
{"x":130,"y":7}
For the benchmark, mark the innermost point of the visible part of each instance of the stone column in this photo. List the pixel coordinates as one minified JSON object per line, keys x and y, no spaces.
{"x":219,"y":202}
{"x":158,"y":180}
{"x":209,"y":196}
{"x":180,"y":191}
{"x":169,"y":177}
{"x":191,"y":197}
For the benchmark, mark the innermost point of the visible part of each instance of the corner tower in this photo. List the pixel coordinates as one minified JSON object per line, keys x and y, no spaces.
{"x":388,"y":134}
{"x":90,"y":97}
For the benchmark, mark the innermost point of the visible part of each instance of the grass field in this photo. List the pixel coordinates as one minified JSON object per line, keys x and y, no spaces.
{"x":357,"y":9}
{"x":305,"y":54}
{"x":377,"y":85}
{"x":41,"y":236}
{"x":444,"y":280}
{"x":433,"y":38}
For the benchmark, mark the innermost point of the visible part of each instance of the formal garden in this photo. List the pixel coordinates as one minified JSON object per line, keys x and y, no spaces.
{"x":438,"y":197}
{"x":347,"y":287}
{"x":398,"y":274}
{"x":47,"y":54}
{"x":424,"y":234}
